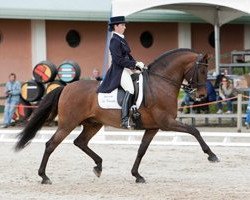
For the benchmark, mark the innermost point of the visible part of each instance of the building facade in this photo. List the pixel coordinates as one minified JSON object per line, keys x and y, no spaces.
{"x":28,"y":37}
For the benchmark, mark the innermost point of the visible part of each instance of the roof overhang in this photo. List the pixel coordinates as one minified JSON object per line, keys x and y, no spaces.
{"x":212,"y":11}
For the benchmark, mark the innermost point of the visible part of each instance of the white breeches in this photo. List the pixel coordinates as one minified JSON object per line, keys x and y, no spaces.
{"x":126,"y":81}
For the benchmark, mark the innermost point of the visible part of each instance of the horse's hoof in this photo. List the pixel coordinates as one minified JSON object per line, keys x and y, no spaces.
{"x":140,"y":180}
{"x":213,"y":158}
{"x":97,"y":171}
{"x":46,"y":181}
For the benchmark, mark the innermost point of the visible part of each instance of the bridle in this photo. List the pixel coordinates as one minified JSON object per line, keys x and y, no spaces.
{"x":192,"y":82}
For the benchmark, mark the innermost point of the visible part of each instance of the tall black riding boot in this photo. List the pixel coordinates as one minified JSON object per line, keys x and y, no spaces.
{"x":126,"y":104}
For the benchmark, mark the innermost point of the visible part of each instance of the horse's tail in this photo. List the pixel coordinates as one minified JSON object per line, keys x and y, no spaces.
{"x":46,"y":109}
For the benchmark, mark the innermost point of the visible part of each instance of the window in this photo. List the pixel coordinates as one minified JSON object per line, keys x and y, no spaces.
{"x":146,"y":39}
{"x":73,"y":38}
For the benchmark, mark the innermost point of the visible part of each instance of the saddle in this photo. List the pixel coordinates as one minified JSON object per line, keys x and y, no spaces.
{"x":114,"y":100}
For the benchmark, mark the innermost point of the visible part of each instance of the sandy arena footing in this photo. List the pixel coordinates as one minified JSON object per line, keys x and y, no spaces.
{"x":171,"y":172}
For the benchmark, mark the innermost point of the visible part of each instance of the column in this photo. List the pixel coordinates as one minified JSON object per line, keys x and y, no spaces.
{"x":38,"y":41}
{"x":184,"y":35}
{"x":246,"y":36}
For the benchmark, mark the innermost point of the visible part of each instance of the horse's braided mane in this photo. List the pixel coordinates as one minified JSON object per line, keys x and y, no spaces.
{"x":168,"y":53}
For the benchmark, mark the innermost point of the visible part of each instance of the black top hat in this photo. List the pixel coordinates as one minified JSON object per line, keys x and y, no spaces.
{"x":117,"y":20}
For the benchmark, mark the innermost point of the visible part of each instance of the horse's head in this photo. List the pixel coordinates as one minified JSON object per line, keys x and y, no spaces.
{"x":178,"y":64}
{"x":197,"y":77}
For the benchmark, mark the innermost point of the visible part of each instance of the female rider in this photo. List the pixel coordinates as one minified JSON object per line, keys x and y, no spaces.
{"x":121,"y":68}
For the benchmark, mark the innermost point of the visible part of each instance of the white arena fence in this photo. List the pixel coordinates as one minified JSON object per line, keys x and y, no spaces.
{"x":134,"y":137}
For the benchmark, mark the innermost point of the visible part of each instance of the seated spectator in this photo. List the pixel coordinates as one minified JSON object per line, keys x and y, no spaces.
{"x":247,"y":122}
{"x":186,"y":102}
{"x":219,"y":78}
{"x":96,"y":75}
{"x":218,"y":81}
{"x":211,"y":96}
{"x":225,"y":92}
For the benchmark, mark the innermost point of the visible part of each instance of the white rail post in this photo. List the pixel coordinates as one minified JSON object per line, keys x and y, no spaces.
{"x":239,"y":112}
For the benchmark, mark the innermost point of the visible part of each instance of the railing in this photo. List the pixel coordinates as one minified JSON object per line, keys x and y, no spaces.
{"x":231,"y":66}
{"x":238,"y":116}
{"x":238,"y":60}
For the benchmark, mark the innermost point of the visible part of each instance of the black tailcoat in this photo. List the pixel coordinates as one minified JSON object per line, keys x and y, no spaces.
{"x":121,"y":58}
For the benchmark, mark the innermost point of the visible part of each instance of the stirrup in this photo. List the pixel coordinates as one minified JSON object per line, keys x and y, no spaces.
{"x":125,"y":124}
{"x":136,"y":115}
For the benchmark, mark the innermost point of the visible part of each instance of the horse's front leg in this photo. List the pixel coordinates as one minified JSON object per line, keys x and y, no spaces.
{"x":174,"y":125}
{"x":147,"y":138}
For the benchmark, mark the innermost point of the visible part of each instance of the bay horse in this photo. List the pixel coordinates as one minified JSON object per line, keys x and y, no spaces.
{"x":76,"y":104}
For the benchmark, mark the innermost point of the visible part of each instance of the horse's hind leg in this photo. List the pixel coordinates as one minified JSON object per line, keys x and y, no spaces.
{"x":147,"y":138}
{"x":90,"y":129}
{"x":180,"y":127}
{"x":54,"y":141}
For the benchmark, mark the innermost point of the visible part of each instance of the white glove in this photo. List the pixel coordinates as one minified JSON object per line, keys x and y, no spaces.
{"x":140,"y":65}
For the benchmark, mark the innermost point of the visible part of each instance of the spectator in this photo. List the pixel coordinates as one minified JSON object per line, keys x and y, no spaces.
{"x":225,"y":92}
{"x":219,"y":78}
{"x":247,"y":122}
{"x":12,"y":93}
{"x":186,"y":102}
{"x":211,"y":93}
{"x":211,"y":96}
{"x":96,"y":75}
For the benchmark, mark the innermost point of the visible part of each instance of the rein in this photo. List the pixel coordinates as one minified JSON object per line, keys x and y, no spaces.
{"x":167,"y":79}
{"x":186,"y":87}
